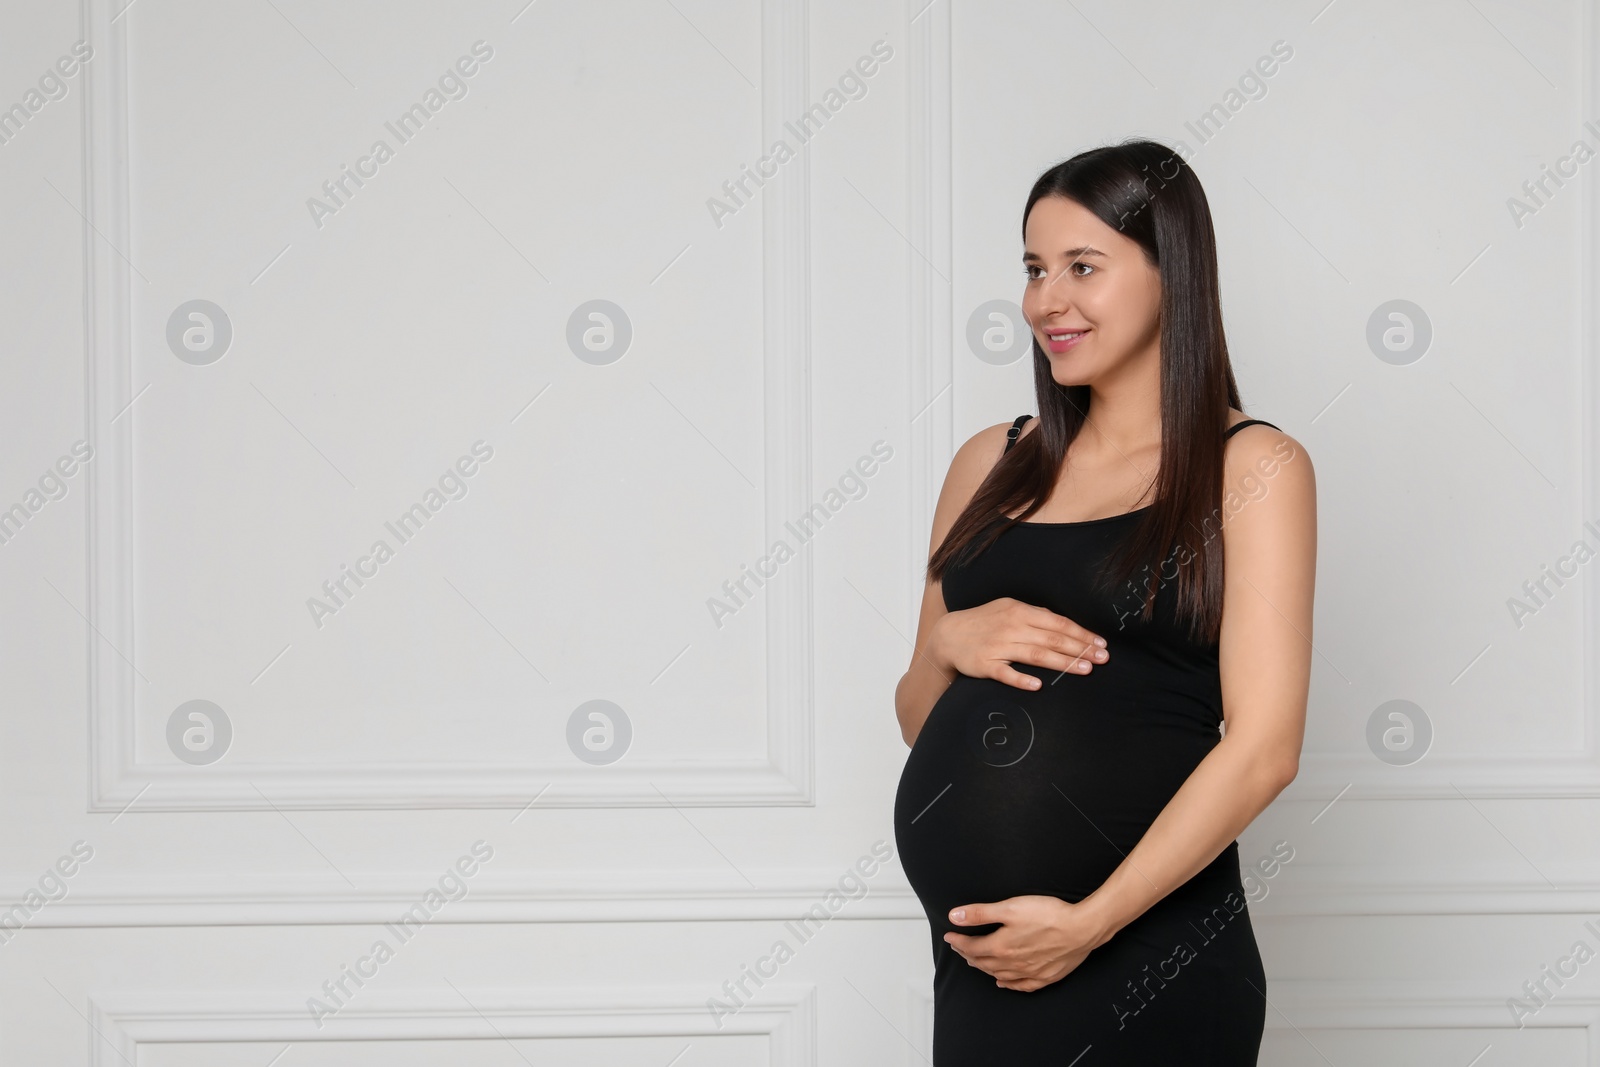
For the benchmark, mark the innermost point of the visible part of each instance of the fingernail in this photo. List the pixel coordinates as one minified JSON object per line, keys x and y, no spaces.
{"x":958,"y":915}
{"x":1100,"y":641}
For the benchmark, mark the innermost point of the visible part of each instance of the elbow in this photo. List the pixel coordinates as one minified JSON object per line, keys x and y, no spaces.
{"x":1285,"y":771}
{"x":1273,"y":766}
{"x":1268,"y":760}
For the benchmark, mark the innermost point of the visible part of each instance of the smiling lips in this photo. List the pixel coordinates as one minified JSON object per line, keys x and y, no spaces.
{"x":1062,"y":340}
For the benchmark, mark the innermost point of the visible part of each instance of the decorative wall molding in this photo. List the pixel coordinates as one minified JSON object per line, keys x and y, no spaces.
{"x":645,"y":895}
{"x":786,"y":776}
{"x":1353,"y":892}
{"x":1417,"y":1005}
{"x":1552,"y":775}
{"x":930,"y":371}
{"x":654,"y":895}
{"x":118,"y":778}
{"x":1423,"y":1004}
{"x":1533,"y":775}
{"x":919,"y":1015}
{"x":785,"y":1014}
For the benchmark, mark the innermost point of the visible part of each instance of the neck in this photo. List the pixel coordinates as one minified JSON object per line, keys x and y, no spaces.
{"x":1125,"y":407}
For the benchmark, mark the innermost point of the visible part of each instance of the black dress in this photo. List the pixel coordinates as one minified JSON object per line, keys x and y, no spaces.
{"x":1009,"y":792}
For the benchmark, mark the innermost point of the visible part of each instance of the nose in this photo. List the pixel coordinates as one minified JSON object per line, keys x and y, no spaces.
{"x":1049,"y":299}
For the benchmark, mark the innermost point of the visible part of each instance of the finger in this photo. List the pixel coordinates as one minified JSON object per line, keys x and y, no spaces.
{"x":965,"y":951}
{"x":1008,"y":674}
{"x":1071,"y":645}
{"x":1041,"y":655}
{"x":989,"y":954}
{"x":1048,"y":639}
{"x":1047,"y":652}
{"x":1045,"y":619}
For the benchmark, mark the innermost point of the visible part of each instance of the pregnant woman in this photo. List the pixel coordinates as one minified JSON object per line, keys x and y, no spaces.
{"x":1112,"y":659}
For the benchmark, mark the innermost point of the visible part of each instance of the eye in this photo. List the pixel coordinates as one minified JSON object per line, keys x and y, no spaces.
{"x":1030,"y":268}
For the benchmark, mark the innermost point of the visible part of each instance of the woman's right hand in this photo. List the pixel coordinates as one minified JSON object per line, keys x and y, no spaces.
{"x":984,"y":642}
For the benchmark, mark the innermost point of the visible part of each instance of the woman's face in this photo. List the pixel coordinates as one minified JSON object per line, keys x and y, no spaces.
{"x":1085,"y":278}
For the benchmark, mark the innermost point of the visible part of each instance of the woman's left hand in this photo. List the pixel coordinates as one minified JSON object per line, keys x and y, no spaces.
{"x":1042,"y":939}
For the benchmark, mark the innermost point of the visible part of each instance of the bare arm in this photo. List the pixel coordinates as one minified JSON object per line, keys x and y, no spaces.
{"x":929,"y":674}
{"x":1265,"y":662}
{"x":984,"y":641}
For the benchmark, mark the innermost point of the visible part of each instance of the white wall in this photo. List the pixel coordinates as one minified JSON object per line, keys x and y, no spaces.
{"x":771,"y":350}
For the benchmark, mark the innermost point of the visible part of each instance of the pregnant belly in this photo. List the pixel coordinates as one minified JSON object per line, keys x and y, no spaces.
{"x":1008,"y":792}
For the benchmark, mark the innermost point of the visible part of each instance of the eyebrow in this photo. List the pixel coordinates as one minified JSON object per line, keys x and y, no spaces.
{"x":1071,"y":253}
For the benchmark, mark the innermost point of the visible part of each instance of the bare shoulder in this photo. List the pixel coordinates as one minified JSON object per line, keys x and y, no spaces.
{"x":1260,"y":463}
{"x":968,"y":468}
{"x":976,"y":458}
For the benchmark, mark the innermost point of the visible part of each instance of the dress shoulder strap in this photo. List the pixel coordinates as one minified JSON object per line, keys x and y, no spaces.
{"x":1015,"y":431}
{"x":1243,"y":424}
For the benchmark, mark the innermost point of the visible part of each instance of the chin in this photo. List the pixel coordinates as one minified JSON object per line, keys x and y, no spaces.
{"x":1065,"y":376}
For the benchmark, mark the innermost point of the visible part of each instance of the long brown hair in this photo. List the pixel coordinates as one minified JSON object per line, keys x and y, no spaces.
{"x":1150,"y":195}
